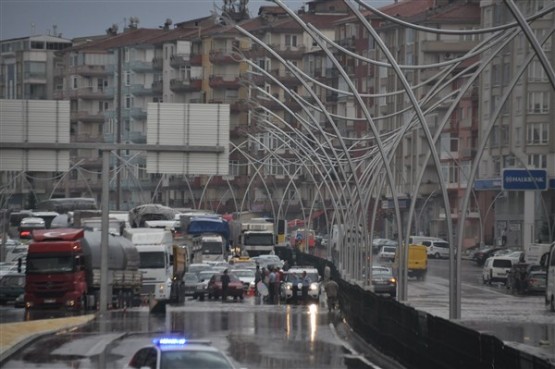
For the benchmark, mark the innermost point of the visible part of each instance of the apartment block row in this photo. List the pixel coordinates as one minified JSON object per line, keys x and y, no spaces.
{"x":280,"y":81}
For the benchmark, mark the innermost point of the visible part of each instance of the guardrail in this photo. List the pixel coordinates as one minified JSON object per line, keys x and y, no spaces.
{"x":417,"y":339}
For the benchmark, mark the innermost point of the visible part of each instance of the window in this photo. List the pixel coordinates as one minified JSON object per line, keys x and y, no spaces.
{"x":537,"y":161}
{"x":536,"y":72}
{"x":537,"y":133}
{"x":538,"y":102}
{"x":127,"y":78}
{"x":74,"y":82}
{"x":234,"y":168}
{"x":291,"y":40}
{"x":128,"y":101}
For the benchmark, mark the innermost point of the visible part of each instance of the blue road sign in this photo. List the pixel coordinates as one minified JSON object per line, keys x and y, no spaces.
{"x":524,"y":179}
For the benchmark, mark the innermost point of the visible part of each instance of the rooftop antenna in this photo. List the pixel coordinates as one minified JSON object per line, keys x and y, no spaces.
{"x":33,"y":28}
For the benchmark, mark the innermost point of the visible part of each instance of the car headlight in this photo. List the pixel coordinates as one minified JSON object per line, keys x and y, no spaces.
{"x":288,"y":286}
{"x":314,"y":287}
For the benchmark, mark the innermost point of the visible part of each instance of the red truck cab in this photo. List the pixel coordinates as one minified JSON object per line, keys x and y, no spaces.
{"x":56,"y":274}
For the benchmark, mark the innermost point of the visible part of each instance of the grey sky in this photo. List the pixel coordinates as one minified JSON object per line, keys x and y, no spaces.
{"x":76,"y":18}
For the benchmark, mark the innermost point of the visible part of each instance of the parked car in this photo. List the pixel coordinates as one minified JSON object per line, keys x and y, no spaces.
{"x":11,"y":287}
{"x":496,"y":269}
{"x":480,"y":256}
{"x":387,"y":253}
{"x":527,"y":278}
{"x":235,"y":288}
{"x":177,"y":352}
{"x":383,"y":280}
{"x":437,"y":249}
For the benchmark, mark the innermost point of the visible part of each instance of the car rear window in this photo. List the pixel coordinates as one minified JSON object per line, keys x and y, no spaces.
{"x":501,"y":263}
{"x":444,"y":245}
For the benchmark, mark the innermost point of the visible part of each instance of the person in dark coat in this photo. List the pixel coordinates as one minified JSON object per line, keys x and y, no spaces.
{"x":225,"y":285}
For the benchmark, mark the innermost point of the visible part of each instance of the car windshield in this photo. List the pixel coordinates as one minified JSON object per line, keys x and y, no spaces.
{"x":389,"y":249}
{"x":188,"y":359}
{"x":191,"y":278}
{"x":57,"y":264}
{"x":243,"y":273}
{"x":205,"y":275}
{"x":381,"y":271}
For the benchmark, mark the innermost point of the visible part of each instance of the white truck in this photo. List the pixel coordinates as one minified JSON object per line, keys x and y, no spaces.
{"x":155,"y":251}
{"x":255,"y":236}
{"x":213,"y":247}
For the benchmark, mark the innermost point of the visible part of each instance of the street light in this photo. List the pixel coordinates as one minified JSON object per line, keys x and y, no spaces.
{"x":500,"y":195}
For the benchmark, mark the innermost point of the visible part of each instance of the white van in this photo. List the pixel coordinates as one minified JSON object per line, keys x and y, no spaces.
{"x":497,"y":268}
{"x":437,"y":249}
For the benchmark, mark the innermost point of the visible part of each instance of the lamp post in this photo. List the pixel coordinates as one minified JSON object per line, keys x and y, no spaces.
{"x":422,"y":210}
{"x":500,"y":195}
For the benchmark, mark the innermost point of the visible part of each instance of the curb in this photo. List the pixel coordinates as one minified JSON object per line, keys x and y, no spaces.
{"x":26,"y":339}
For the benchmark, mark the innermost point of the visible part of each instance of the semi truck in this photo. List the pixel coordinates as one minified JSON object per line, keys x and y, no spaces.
{"x":162,"y":264}
{"x":63,"y":270}
{"x":206,"y":234}
{"x":255,"y":236}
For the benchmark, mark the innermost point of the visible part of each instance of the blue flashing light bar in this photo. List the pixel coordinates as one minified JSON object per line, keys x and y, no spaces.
{"x":169,"y":341}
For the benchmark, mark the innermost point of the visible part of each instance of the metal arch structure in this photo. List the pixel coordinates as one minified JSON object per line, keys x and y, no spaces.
{"x":371,"y":173}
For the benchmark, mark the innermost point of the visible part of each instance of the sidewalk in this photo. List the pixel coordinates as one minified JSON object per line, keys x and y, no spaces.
{"x":15,"y":335}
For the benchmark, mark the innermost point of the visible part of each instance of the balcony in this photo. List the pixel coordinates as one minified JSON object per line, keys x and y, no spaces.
{"x":196,"y":60}
{"x":90,"y":93}
{"x":137,"y":113}
{"x":157,"y":63}
{"x":137,"y":137}
{"x":86,"y":138}
{"x":239,"y":106}
{"x":286,"y":78}
{"x":141,"y":66}
{"x":223,"y":57}
{"x":180,"y":61}
{"x":189,"y":85}
{"x":141,"y":90}
{"x":157,"y":87}
{"x":288,"y":53}
{"x":270,"y":104}
{"x":87,"y":117}
{"x":34,"y":78}
{"x":92,"y":70}
{"x":216,"y":81}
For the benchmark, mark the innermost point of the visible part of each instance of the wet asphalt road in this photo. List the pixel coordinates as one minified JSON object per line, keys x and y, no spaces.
{"x":254,"y":335}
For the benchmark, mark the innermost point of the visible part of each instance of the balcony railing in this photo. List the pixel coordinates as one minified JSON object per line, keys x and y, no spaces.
{"x":157,"y":87}
{"x":92,"y":70}
{"x":188,"y":85}
{"x":137,"y":113}
{"x":223,"y":57}
{"x":180,"y":61}
{"x":141,"y":66}
{"x":140,"y":90}
{"x":85,"y":116}
{"x":157,"y":63}
{"x":90,"y":93}
{"x":216,"y":81}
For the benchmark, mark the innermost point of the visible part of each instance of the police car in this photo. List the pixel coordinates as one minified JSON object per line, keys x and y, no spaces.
{"x":179,"y":353}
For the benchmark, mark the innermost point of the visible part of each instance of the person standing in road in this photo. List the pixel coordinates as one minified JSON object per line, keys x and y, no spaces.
{"x":257,"y":278}
{"x":305,"y":280}
{"x":271,"y":285}
{"x":331,"y":287}
{"x":225,"y":285}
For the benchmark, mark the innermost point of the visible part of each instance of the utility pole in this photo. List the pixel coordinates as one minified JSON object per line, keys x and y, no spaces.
{"x":118,"y":127}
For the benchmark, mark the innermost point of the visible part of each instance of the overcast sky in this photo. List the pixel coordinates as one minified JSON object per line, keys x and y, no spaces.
{"x":77,"y":18}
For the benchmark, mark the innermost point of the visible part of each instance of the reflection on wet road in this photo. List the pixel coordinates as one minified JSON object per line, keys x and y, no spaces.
{"x":255,"y":336}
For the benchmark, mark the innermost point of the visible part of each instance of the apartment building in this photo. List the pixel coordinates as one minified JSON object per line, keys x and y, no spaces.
{"x":522,"y":134}
{"x":30,"y":69}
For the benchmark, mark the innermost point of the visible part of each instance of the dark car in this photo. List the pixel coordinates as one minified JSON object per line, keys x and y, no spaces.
{"x":11,"y":287}
{"x":383,"y":280}
{"x":235,"y":288}
{"x":480,"y":256}
{"x":527,"y":278}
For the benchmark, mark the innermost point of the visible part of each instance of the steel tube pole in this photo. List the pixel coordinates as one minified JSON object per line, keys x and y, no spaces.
{"x":104,"y":235}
